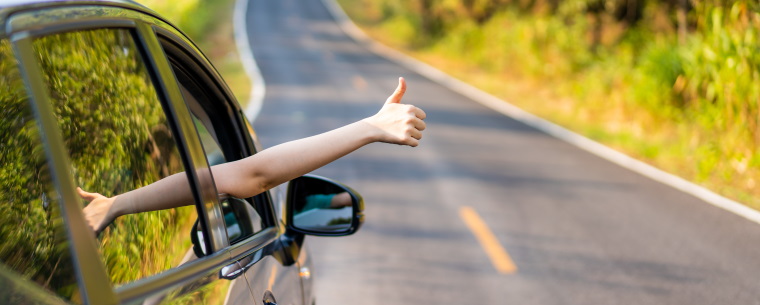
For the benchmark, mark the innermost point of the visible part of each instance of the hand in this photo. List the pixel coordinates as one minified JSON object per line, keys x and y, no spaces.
{"x":98,"y":213}
{"x":399,"y":123}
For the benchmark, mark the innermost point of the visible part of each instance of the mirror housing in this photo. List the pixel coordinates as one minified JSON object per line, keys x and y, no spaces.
{"x":322,"y":207}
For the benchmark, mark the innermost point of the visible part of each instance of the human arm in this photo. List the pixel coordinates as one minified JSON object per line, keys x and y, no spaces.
{"x":341,"y":200}
{"x":395,"y":123}
{"x":171,"y":192}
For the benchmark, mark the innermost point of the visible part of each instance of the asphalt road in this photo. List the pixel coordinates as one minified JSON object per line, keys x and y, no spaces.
{"x":579,"y":229}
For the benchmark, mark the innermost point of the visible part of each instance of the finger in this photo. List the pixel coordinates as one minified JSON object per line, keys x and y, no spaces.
{"x":85,"y":195}
{"x":399,"y":93}
{"x":419,"y":113}
{"x":419,"y":124}
{"x":416,"y":134}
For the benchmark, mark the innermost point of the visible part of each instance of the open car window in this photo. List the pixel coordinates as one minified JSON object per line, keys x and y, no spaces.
{"x":221,"y":143}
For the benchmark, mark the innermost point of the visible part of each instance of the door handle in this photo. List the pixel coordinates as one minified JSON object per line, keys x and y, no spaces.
{"x":231,"y":271}
{"x":269,"y":298}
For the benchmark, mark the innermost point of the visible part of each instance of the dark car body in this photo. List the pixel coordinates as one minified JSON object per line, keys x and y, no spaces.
{"x":109,"y":97}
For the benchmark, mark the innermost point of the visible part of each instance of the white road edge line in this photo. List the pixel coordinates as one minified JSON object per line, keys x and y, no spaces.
{"x":529,"y":119}
{"x":258,"y":87}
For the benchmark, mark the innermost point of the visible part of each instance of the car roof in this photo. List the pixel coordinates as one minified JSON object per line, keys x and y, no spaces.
{"x":8,"y":7}
{"x":37,"y":3}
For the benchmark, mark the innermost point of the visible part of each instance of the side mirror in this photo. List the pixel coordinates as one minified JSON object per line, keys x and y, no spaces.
{"x":322,"y":207}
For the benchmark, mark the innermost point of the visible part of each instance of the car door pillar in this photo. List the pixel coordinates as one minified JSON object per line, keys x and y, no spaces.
{"x":205,"y":191}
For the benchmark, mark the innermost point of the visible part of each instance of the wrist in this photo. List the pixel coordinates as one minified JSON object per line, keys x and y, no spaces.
{"x":117,"y":207}
{"x":370,"y":131}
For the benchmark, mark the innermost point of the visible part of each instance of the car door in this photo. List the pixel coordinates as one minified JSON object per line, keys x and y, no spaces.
{"x":36,"y":265}
{"x":271,"y":272}
{"x":111,"y":120}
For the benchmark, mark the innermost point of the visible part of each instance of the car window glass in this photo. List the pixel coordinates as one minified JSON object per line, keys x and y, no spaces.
{"x":33,"y":241}
{"x":214,"y":153}
{"x":119,"y":140}
{"x":241,"y":218}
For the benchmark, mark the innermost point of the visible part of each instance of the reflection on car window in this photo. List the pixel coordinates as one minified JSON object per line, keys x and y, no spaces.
{"x":33,"y":242}
{"x":214,"y":154}
{"x":240,"y":219}
{"x":119,"y":140}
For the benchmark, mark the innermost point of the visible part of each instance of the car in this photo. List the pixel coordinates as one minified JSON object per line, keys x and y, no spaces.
{"x":109,"y":97}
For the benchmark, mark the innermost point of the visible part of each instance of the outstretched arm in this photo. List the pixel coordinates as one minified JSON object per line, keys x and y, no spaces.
{"x":395,"y":123}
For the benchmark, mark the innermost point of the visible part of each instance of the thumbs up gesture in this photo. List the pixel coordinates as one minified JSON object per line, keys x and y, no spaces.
{"x":399,"y":123}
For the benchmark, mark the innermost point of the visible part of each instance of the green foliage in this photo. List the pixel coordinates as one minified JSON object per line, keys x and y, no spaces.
{"x":194,"y":17}
{"x":32,"y":241}
{"x":722,"y":67}
{"x":208,"y":23}
{"x":116,"y":134}
{"x":118,"y":140}
{"x":679,"y":75}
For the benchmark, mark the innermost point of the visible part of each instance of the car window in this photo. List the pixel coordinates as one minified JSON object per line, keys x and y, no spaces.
{"x":211,"y":147}
{"x":220,"y":143}
{"x":32,"y":238}
{"x":119,"y":139}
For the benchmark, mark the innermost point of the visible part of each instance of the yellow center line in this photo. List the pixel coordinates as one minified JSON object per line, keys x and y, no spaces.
{"x":498,"y":255}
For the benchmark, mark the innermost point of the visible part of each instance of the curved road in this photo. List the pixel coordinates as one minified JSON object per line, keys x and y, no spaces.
{"x":579,"y":229}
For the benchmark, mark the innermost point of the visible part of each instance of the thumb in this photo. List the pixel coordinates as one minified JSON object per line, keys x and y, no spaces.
{"x":85,"y":195}
{"x":399,"y":93}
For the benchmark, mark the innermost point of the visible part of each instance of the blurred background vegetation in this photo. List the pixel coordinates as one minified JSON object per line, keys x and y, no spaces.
{"x":209,"y":24}
{"x":675,"y":83}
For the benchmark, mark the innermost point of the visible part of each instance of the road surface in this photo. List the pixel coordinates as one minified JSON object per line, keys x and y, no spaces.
{"x":579,"y":229}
